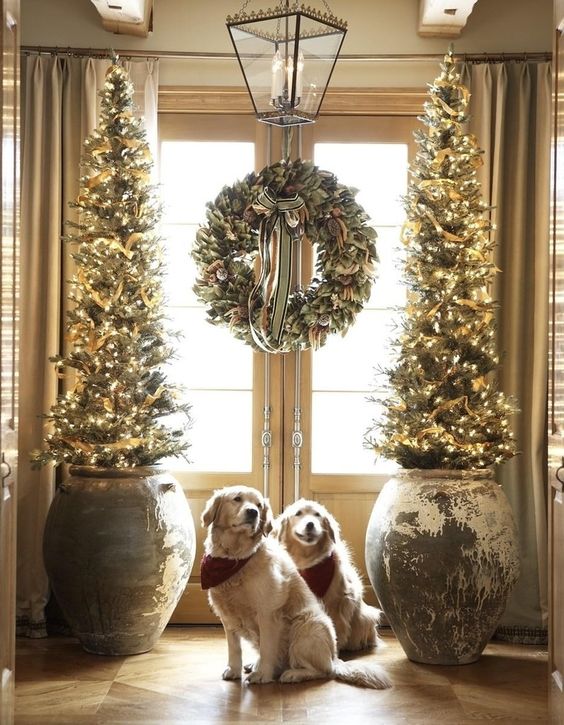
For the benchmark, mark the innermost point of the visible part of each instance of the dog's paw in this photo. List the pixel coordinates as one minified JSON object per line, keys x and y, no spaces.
{"x":231,"y":674}
{"x":293,"y":675}
{"x":356,"y":647}
{"x":258,"y":676}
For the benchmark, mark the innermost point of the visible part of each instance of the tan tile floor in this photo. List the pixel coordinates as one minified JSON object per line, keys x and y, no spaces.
{"x":57,"y":683}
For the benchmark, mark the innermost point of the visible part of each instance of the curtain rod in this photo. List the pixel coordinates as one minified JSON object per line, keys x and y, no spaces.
{"x":196,"y":55}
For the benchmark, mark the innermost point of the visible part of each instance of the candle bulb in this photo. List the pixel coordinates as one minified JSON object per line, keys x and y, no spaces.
{"x":277,"y":76}
{"x":299,"y":77}
{"x":290,"y":75}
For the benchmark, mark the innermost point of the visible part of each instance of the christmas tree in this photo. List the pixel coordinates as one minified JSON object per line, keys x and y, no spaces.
{"x":113,"y":413}
{"x":445,"y":410}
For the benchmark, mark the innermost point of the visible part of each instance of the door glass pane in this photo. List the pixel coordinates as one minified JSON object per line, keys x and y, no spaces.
{"x":180,"y":267}
{"x":339,"y":422}
{"x":210,"y":357}
{"x":388,"y":290}
{"x":194,"y":172}
{"x":349,"y":369}
{"x":221,"y":436}
{"x":347,"y":363}
{"x":377,"y":170}
{"x":216,"y":369}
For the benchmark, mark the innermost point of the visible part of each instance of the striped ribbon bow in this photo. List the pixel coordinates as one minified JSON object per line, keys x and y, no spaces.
{"x":280,"y":226}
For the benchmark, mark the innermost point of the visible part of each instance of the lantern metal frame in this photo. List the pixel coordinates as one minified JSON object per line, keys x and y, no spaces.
{"x":286,"y":113}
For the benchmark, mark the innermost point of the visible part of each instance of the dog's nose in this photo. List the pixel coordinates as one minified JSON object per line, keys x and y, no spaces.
{"x":309,"y":526}
{"x":251,"y":513}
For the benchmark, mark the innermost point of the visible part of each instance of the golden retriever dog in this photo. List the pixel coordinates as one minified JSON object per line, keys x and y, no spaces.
{"x":312,"y":537}
{"x":255,"y":589}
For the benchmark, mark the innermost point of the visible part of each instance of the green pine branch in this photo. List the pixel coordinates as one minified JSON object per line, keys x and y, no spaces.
{"x":119,"y":406}
{"x":444,"y":410}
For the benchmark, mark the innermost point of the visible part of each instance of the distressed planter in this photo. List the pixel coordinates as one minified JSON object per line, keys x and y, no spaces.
{"x":442,"y":557}
{"x":119,"y":547}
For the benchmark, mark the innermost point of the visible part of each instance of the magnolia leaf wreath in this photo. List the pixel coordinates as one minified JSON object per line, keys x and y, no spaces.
{"x":244,"y":256}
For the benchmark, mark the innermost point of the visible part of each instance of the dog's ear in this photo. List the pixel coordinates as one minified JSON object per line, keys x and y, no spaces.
{"x":331,"y":527}
{"x":278,"y":526}
{"x":209,"y":514}
{"x":266,"y":518}
{"x":281,"y":528}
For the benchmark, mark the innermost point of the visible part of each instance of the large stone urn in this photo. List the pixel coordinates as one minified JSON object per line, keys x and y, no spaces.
{"x":119,"y":547}
{"x":442,"y":557}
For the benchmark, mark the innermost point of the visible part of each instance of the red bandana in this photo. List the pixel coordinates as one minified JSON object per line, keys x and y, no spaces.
{"x":215,"y":570}
{"x":319,"y":577}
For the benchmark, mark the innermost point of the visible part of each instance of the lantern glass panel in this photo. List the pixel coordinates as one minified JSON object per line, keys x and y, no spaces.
{"x":319,"y":56}
{"x":287,"y":61}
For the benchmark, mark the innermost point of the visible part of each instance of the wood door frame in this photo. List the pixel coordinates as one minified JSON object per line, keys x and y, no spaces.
{"x":177,"y":105}
{"x":389,"y":130}
{"x":210,"y":127}
{"x":197,"y":485}
{"x":343,"y":494}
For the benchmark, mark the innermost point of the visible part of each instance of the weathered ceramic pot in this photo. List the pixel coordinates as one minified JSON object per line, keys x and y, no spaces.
{"x":119,"y":547}
{"x":442,"y":557}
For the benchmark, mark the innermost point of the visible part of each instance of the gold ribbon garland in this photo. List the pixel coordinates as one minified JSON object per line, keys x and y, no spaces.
{"x":439,"y":430}
{"x":91,"y":447}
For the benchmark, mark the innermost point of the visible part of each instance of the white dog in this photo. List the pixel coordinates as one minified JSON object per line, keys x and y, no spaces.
{"x":312,"y":538}
{"x":257,"y":592}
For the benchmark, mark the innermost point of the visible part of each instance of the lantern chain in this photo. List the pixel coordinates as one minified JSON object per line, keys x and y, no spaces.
{"x":243,"y":7}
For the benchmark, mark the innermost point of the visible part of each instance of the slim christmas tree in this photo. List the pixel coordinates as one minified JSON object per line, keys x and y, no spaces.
{"x":445,"y":410}
{"x":113,"y":414}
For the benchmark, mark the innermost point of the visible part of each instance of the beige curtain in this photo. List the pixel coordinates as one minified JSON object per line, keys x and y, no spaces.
{"x":510,"y":107}
{"x":59,"y":108}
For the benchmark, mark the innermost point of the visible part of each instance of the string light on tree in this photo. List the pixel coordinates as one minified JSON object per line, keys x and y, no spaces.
{"x":444,"y":410}
{"x":117,"y":413}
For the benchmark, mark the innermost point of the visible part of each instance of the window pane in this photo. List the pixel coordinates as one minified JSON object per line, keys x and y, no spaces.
{"x":216,"y":369}
{"x":378,"y":171}
{"x":193,"y":172}
{"x":388,"y":289}
{"x":221,"y":436}
{"x":352,"y":366}
{"x":180,"y":268}
{"x":339,"y":422}
{"x":347,"y":363}
{"x":209,"y":356}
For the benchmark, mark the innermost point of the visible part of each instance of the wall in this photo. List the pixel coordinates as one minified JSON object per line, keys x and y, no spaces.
{"x":375,"y":27}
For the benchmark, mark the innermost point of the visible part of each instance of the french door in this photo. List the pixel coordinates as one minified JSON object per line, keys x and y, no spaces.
{"x":372,"y":155}
{"x":290,"y":425}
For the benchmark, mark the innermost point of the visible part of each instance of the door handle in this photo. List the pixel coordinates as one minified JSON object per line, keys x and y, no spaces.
{"x":4,"y":462}
{"x":558,"y":485}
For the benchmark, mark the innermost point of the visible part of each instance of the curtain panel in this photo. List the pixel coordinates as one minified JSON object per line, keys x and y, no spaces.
{"x":511,"y":117}
{"x":60,"y":107}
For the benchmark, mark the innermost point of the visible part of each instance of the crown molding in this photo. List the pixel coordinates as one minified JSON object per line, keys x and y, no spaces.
{"x":231,"y":100}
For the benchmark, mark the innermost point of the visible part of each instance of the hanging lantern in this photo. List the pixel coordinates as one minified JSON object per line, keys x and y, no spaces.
{"x":287,"y":55}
